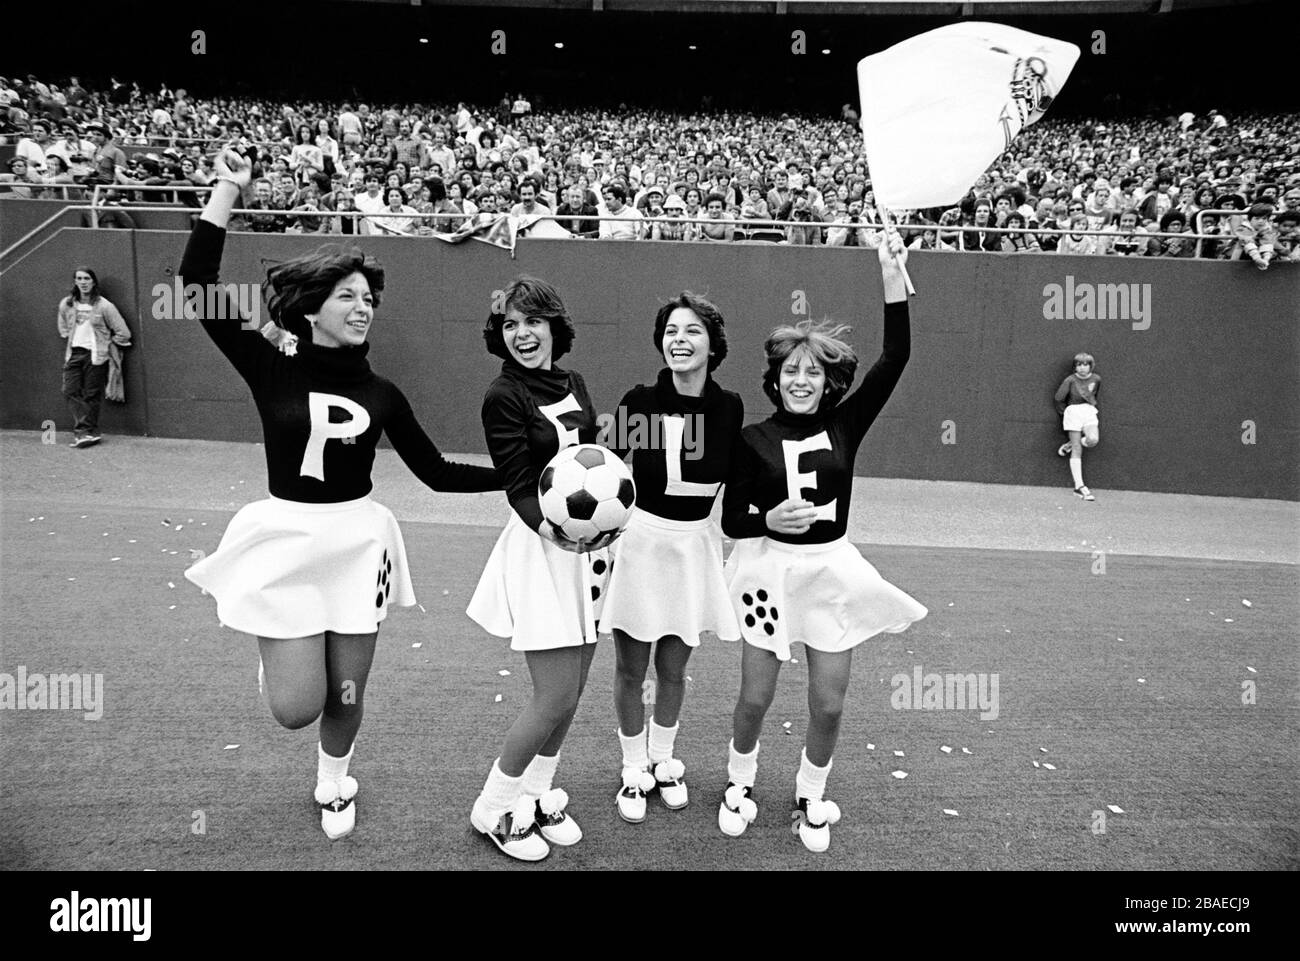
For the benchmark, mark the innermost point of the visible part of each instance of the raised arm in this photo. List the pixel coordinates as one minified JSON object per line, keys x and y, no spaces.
{"x":863,"y":406}
{"x":426,"y":462}
{"x":201,"y":264}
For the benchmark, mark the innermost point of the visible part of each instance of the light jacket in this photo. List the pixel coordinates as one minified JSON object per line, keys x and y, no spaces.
{"x":106,"y":322}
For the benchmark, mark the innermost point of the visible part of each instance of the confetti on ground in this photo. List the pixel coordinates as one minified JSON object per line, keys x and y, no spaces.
{"x":422,"y":610}
{"x":1115,"y":809}
{"x":503,"y":672}
{"x":132,"y":541}
{"x":871,"y":747}
{"x":445,"y":593}
{"x":111,"y":558}
{"x":105,"y":534}
{"x":899,"y":774}
{"x":1248,"y":667}
{"x":1245,"y":603}
{"x":418,"y":644}
{"x":167,"y":522}
{"x":1036,"y":764}
{"x":498,"y":699}
{"x":1050,"y":767}
{"x":898,"y":754}
{"x":951,"y":813}
{"x":230,"y":747}
{"x":950,"y":603}
{"x":1043,"y":750}
{"x":171,"y":585}
{"x":72,"y":578}
{"x":946,"y":749}
{"x":1119,"y":638}
{"x":688,"y":677}
{"x":1142,"y":680}
{"x":966,"y":750}
{"x":1227,"y":620}
{"x":172,"y":607}
{"x":793,"y":661}
{"x":180,"y":527}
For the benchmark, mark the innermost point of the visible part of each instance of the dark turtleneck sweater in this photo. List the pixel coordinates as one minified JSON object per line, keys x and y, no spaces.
{"x":522,"y":438}
{"x":311,"y":459}
{"x":709,"y":439}
{"x":821,"y":447}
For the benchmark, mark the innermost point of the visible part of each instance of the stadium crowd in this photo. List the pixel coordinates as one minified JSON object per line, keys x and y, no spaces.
{"x":1130,"y":187}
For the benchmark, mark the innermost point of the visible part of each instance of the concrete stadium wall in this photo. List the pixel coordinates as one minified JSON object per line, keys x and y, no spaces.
{"x":1222,"y":348}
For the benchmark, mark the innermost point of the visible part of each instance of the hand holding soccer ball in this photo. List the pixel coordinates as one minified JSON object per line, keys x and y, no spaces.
{"x":587,"y":496}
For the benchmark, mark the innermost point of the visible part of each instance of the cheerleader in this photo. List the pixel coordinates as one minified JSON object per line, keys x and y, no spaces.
{"x":667,"y":585}
{"x":531,"y":590}
{"x":311,"y":570}
{"x":794,"y":576}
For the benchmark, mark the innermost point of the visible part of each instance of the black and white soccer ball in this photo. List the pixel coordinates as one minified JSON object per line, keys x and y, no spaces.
{"x":586,"y":492}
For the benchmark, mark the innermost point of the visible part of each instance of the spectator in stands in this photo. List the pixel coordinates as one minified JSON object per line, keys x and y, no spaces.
{"x":575,"y":213}
{"x":371,"y":201}
{"x":1125,"y":238}
{"x":528,"y":205}
{"x":305,"y":152}
{"x":308,"y":199}
{"x":343,"y":203}
{"x":628,"y":223}
{"x":1173,"y":222}
{"x":399,"y":218}
{"x":1288,"y":236}
{"x":807,"y":229}
{"x":89,"y":322}
{"x":1058,"y":218}
{"x":264,"y":199}
{"x":779,"y":194}
{"x":928,"y":239}
{"x":19,"y":178}
{"x":976,"y":236}
{"x":755,"y":207}
{"x":1020,"y":240}
{"x":109,"y":160}
{"x":32,"y":148}
{"x":1255,"y":237}
{"x":1076,"y":242}
{"x":720,"y":225}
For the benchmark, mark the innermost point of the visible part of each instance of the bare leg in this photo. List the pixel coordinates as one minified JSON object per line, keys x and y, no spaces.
{"x":759,"y":670}
{"x":348,"y":658}
{"x":295,"y":678}
{"x":828,"y":682}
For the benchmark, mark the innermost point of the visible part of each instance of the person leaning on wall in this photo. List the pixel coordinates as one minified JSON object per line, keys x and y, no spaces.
{"x":94,"y":329}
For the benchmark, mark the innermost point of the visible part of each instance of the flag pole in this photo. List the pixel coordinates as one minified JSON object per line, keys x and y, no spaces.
{"x":902,"y":267}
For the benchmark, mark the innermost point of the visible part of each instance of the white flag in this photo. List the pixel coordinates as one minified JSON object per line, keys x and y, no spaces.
{"x":938,"y":108}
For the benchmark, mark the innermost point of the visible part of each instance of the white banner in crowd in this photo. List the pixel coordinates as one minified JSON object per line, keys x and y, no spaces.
{"x":938,"y":108}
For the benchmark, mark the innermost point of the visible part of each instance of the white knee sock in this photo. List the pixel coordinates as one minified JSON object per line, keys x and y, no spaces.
{"x":661,"y":741}
{"x":634,"y":750}
{"x":499,"y":791}
{"x":330,"y":768}
{"x":810,"y":783}
{"x":742,"y":769}
{"x":1076,"y":470}
{"x":539,"y":774}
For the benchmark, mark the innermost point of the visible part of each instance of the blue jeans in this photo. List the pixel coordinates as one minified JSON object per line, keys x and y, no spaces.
{"x":83,"y":386}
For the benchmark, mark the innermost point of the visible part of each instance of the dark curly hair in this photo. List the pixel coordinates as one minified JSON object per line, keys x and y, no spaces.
{"x":300,"y":286}
{"x":823,"y":340}
{"x":532,"y":297}
{"x":708,"y":314}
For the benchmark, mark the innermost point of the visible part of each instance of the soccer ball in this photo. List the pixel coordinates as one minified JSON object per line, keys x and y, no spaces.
{"x":585,"y":492}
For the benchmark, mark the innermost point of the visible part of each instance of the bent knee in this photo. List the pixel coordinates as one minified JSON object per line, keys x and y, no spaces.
{"x":296,"y":713}
{"x":827,"y":707}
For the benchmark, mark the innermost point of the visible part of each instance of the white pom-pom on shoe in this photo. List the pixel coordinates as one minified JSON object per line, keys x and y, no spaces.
{"x":553,"y":801}
{"x":327,"y":792}
{"x":637,"y":779}
{"x":740,"y":803}
{"x":669,"y":770}
{"x":523,"y":814}
{"x":347,"y":787}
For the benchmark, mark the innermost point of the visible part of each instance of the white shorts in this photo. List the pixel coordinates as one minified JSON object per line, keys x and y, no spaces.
{"x":532,"y":591}
{"x":1079,"y":416}
{"x":825,"y":596}
{"x":288,"y":569}
{"x":667,"y":580}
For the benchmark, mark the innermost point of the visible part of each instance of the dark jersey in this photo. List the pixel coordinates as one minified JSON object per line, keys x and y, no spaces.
{"x":322,"y":410}
{"x":681,"y":446}
{"x":529,"y":416}
{"x":810,"y":456}
{"x":1077,"y":390}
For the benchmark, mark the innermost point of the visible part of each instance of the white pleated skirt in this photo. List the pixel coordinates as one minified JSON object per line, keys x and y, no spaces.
{"x":668,"y":580}
{"x":288,"y":569}
{"x":826,"y":596}
{"x":538,"y":595}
